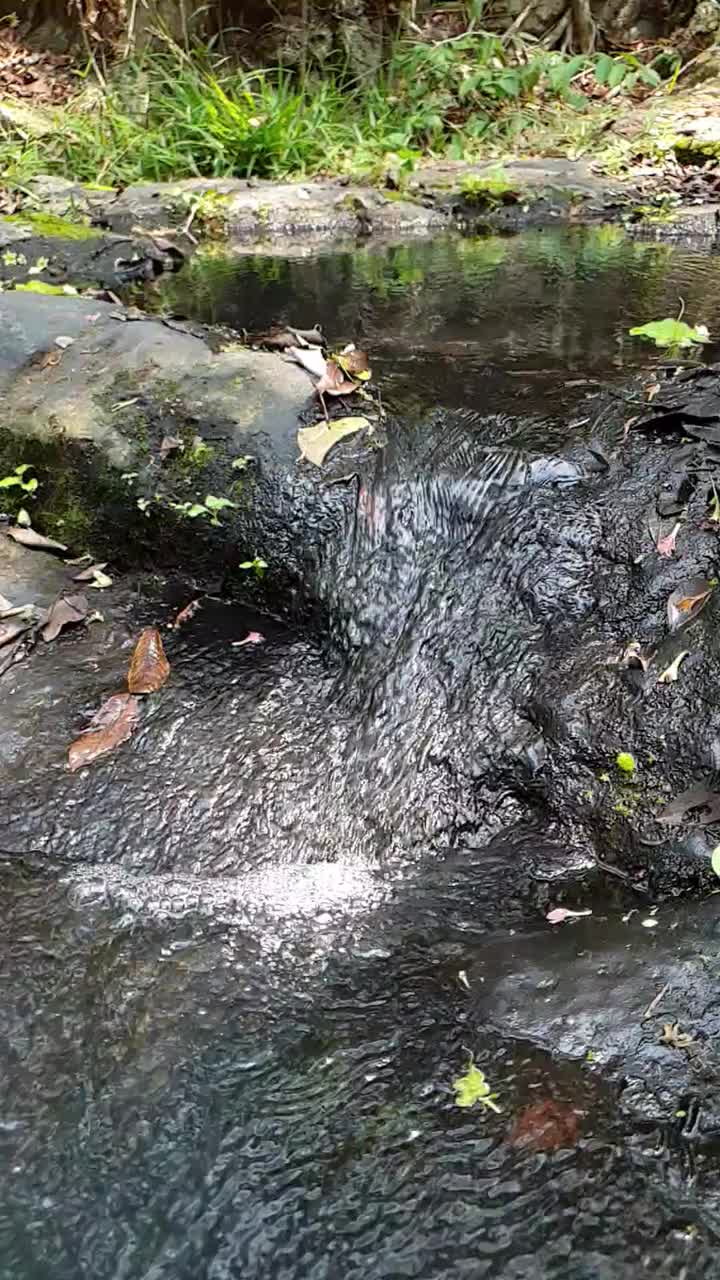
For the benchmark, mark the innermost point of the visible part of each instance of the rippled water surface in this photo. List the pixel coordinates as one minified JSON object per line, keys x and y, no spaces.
{"x":244,"y":960}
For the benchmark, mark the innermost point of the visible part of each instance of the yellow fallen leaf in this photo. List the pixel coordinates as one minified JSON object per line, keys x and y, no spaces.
{"x":670,"y":674}
{"x":316,"y":442}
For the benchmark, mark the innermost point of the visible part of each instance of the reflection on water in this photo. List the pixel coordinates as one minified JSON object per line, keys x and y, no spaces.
{"x":251,"y":951}
{"x":493,"y":323}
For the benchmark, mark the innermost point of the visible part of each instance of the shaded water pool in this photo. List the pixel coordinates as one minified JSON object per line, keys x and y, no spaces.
{"x":497,"y":323}
{"x":245,"y":958}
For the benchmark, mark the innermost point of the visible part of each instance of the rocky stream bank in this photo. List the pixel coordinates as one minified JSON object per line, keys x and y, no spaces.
{"x":455,"y":638}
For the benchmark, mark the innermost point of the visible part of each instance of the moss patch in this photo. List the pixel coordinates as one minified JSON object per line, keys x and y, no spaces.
{"x":41,"y":286}
{"x":51,"y":225}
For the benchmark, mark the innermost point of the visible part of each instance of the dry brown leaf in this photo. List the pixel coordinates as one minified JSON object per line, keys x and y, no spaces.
{"x":65,"y":612}
{"x":334,"y":382}
{"x":29,"y":538}
{"x":88,"y":575}
{"x":687,"y":601}
{"x":666,"y":546}
{"x":168,"y":445}
{"x":10,"y":630}
{"x":149,"y":668}
{"x":109,"y":727}
{"x":187,"y":613}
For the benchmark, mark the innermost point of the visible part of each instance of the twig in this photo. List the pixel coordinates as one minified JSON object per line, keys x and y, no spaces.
{"x":654,"y":1003}
{"x":130,"y":42}
{"x":185,"y":229}
{"x":517,"y":24}
{"x":89,"y":50}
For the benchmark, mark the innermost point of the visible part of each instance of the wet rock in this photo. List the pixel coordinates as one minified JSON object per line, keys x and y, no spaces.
{"x":48,"y":252}
{"x":283,"y":215}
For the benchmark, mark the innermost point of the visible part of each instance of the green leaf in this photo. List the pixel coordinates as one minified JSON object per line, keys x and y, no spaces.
{"x":715,"y":860}
{"x":7,"y":482}
{"x":23,"y":519}
{"x":617,"y":74}
{"x":649,"y":76}
{"x":671,"y":333}
{"x":603,"y":67}
{"x":196,"y":509}
{"x":472,"y":1088}
{"x":217,"y":504}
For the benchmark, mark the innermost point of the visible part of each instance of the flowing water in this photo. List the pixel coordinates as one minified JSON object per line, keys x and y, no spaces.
{"x":245,"y":959}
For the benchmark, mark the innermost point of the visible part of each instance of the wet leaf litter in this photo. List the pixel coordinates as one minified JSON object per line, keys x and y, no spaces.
{"x":117,"y":718}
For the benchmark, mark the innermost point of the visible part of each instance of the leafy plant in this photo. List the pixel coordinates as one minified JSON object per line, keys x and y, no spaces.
{"x":472,"y":1087}
{"x":256,"y":566}
{"x":242,"y":463}
{"x":208,"y":510}
{"x":624,"y":71}
{"x":18,"y":479}
{"x":494,"y":186}
{"x":671,"y":333}
{"x":200,"y":453}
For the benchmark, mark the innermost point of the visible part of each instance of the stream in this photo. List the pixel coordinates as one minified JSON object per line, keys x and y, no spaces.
{"x":245,"y":958}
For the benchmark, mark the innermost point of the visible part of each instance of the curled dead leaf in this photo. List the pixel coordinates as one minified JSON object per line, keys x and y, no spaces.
{"x":66,"y":612}
{"x":168,"y":445}
{"x":149,"y":668}
{"x":11,"y":629}
{"x":559,"y":915}
{"x":252,"y":637}
{"x":186,"y":614}
{"x":280,"y":339}
{"x":666,"y":546}
{"x":88,"y":575}
{"x":111,"y":725}
{"x":335,"y":382}
{"x":687,"y":601}
{"x":30,"y":538}
{"x":311,"y":359}
{"x":671,"y":673}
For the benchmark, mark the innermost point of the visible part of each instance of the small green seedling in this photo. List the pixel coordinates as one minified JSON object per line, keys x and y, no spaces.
{"x":715,"y":860}
{"x":472,"y":1088}
{"x":18,"y":478}
{"x":242,"y":464}
{"x":256,"y":566}
{"x":625,"y":762}
{"x":208,"y":510}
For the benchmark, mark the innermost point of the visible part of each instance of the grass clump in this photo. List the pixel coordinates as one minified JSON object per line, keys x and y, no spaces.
{"x":173,"y":116}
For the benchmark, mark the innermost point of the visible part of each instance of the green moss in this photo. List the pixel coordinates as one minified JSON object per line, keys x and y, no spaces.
{"x":694,"y":150}
{"x":51,"y":225}
{"x":41,"y":286}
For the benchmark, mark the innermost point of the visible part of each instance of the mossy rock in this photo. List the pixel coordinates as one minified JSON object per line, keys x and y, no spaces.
{"x":52,"y":225}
